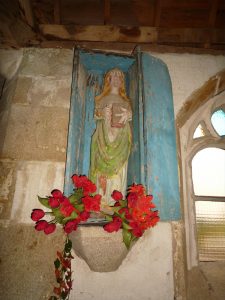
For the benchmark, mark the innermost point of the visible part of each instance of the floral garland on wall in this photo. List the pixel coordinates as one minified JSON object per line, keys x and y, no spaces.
{"x":133,"y":214}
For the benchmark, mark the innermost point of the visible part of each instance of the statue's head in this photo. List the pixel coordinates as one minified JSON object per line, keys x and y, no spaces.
{"x":114,"y":78}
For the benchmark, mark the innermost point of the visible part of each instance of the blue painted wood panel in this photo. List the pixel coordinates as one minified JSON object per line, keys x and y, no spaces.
{"x":160,"y":137}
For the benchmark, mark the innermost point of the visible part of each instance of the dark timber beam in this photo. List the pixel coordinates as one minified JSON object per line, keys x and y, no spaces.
{"x":27,"y":12}
{"x":106,"y":12}
{"x":57,"y":15}
{"x":141,"y":34}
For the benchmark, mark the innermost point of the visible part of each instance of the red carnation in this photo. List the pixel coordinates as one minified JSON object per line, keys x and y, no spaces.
{"x":83,"y":182}
{"x":91,"y":203}
{"x":41,"y":225}
{"x":66,"y":209}
{"x":137,"y":188}
{"x":116,"y":195}
{"x":50,"y":228}
{"x":70,"y":226}
{"x":37,"y":214}
{"x":132,"y":199}
{"x":53,"y":202}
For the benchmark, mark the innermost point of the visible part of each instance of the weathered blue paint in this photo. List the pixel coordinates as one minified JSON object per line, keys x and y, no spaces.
{"x":159,"y":129}
{"x":153,"y":156}
{"x":101,"y":63}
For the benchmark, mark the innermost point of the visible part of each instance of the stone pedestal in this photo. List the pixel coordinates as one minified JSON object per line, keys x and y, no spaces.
{"x":102,"y":251}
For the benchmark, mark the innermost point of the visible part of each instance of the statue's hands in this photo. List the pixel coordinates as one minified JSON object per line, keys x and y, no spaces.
{"x":125,"y":115}
{"x":107,"y":112}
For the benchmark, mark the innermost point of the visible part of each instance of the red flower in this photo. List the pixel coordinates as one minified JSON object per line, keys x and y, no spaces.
{"x":50,"y":228}
{"x":53,"y":202}
{"x":41,"y":225}
{"x":70,"y":226}
{"x":132,"y":199}
{"x":84,"y":215}
{"x":66,"y":209}
{"x":117,"y":196}
{"x":37,"y":214}
{"x":91,"y":203}
{"x":137,"y":188}
{"x":57,"y":194}
{"x":114,"y":225}
{"x":126,"y":211}
{"x":137,"y":232}
{"x":83,"y":182}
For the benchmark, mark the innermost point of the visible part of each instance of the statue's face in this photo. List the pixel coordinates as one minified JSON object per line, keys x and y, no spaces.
{"x":115,"y":79}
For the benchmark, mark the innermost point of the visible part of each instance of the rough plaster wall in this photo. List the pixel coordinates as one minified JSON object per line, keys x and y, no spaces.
{"x":188,"y":72}
{"x":32,"y":162}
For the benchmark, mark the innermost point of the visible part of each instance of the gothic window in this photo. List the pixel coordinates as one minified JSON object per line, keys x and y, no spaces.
{"x":203,"y":161}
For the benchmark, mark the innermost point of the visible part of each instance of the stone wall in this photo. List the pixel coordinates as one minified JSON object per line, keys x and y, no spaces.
{"x":34,"y":112}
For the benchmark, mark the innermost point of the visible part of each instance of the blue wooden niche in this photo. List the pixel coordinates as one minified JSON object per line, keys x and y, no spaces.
{"x":153,"y":160}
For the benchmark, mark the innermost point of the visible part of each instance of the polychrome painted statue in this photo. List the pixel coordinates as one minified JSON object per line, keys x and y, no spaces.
{"x":111,"y":141}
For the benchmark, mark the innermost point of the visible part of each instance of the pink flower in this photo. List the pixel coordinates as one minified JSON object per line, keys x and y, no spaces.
{"x":50,"y":228}
{"x":41,"y":225}
{"x":116,"y":195}
{"x":37,"y":214}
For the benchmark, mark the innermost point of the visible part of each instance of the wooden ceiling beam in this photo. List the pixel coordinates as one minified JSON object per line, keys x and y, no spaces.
{"x":211,"y":21}
{"x":57,"y":9}
{"x":213,"y":12}
{"x":27,"y":12}
{"x":141,"y":34}
{"x":104,"y":33}
{"x":158,"y":8}
{"x":106,"y":12}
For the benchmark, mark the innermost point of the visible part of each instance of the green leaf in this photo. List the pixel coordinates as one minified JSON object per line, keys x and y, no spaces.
{"x":116,"y":209}
{"x":126,"y":226}
{"x":123,"y":203}
{"x":79,"y":207}
{"x":44,"y":201}
{"x":73,"y":216}
{"x":58,"y":215}
{"x":127,"y":238}
{"x":73,"y":198}
{"x":57,"y":263}
{"x":108,"y":218}
{"x":68,"y":246}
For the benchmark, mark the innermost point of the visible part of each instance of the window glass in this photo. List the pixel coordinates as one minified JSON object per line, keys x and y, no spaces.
{"x":218,"y":122}
{"x":199,"y":132}
{"x":208,"y":172}
{"x":210,"y":221}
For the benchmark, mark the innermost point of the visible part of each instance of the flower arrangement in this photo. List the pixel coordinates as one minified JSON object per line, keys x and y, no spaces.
{"x":133,"y":215}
